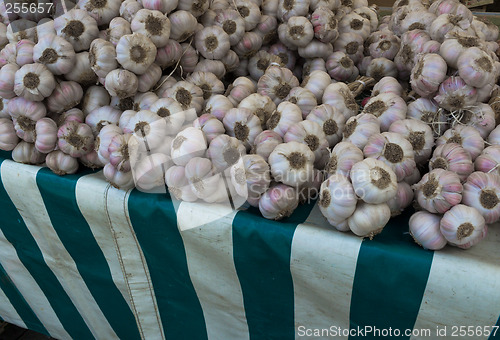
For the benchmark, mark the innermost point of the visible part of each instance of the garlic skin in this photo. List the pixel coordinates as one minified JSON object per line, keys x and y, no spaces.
{"x":292,"y":163}
{"x":149,"y":172}
{"x":75,"y":139}
{"x":121,"y":83}
{"x":46,"y":135}
{"x":494,"y":136}
{"x":34,"y":82}
{"x":388,"y":108}
{"x":66,"y":95}
{"x":286,"y":115}
{"x":425,"y":230}
{"x":259,"y":105}
{"x":210,"y":125}
{"x":454,"y":94}
{"x":3,"y":108}
{"x":489,"y":160}
{"x":418,"y":134}
{"x":78,"y":28}
{"x":178,"y":185}
{"x":316,"y":82}
{"x":331,"y":121}
{"x":7,"y":78}
{"x":8,"y":137}
{"x":251,"y":177}
{"x":438,"y":191}
{"x":103,"y":140}
{"x":466,"y":136}
{"x":476,"y":67}
{"x":452,"y":157}
{"x":402,"y":200}
{"x":189,"y":143}
{"x":265,"y":143}
{"x":373,"y":181}
{"x":278,"y":202}
{"x":427,"y":74}
{"x":24,"y":52}
{"x":340,"y":96}
{"x":368,"y":220}
{"x":128,"y":9}
{"x":277,"y":83}
{"x":360,"y":128}
{"x":428,"y":111}
{"x":217,"y":105}
{"x":61,"y":164}
{"x":102,"y":56}
{"x":225,"y":151}
{"x":153,"y":24}
{"x":135,"y":52}
{"x":481,"y":117}
{"x":81,"y":71}
{"x":482,"y":191}
{"x":26,"y":153}
{"x":118,"y":179}
{"x":463,"y":226}
{"x":311,"y":134}
{"x":337,"y":199}
{"x":204,"y":182}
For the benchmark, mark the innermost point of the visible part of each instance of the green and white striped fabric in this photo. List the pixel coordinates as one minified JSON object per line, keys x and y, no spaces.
{"x":80,"y":259}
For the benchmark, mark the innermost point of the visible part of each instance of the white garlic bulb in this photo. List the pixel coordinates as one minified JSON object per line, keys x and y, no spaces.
{"x":368,"y":220}
{"x":373,"y":181}
{"x":292,"y":163}
{"x":278,"y":202}
{"x":463,"y":226}
{"x":425,"y":230}
{"x":337,"y":199}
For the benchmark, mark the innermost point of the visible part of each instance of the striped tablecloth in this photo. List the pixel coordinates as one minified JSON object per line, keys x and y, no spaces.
{"x":80,"y":259}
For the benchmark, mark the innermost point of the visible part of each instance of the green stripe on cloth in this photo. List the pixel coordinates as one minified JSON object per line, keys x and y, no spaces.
{"x":19,"y":303}
{"x":5,"y":154}
{"x":59,"y":197}
{"x":388,"y":289}
{"x":30,"y":255}
{"x":262,"y":250}
{"x":155,"y":223}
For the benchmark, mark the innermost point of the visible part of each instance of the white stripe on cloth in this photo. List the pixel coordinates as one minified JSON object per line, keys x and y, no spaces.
{"x":8,"y":312}
{"x":29,"y":202}
{"x":462,"y":288}
{"x":91,"y":199}
{"x":29,"y":289}
{"x":134,"y":267}
{"x":209,"y":253}
{"x":323,"y":264}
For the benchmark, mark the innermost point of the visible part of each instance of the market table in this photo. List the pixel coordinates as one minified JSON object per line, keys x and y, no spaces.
{"x":80,"y":259}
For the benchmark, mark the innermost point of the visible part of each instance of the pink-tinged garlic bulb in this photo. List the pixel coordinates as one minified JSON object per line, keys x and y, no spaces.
{"x":489,"y":160}
{"x":311,"y":134}
{"x":277,"y":82}
{"x":331,"y":121}
{"x":187,"y":94}
{"x":428,"y":112}
{"x":438,"y":191}
{"x":427,"y":74}
{"x":121,"y":83}
{"x":421,"y":19}
{"x":340,"y":96}
{"x":149,"y":172}
{"x":101,"y":11}
{"x":418,"y":134}
{"x":476,"y":67}
{"x":484,"y":94}
{"x":172,"y":112}
{"x":466,"y":136}
{"x":303,"y":98}
{"x":3,"y":33}
{"x":135,"y":52}
{"x":3,"y":108}
{"x":148,"y":126}
{"x":78,"y":28}
{"x":482,"y":191}
{"x":128,"y":9}
{"x":286,"y":115}
{"x":351,"y":44}
{"x":182,"y":25}
{"x":242,"y":124}
{"x":24,"y":115}
{"x":149,"y":79}
{"x":34,"y":82}
{"x":218,"y":105}
{"x":118,"y":179}
{"x":340,"y":67}
{"x":394,"y":150}
{"x":143,"y":101}
{"x":278,"y":202}
{"x":82,"y":72}
{"x":66,"y":95}
{"x":189,"y":143}
{"x":450,"y":7}
{"x":225,"y":151}
{"x":267,"y":29}
{"x":24,"y":52}
{"x":265,"y":143}
{"x":261,"y":106}
{"x":402,"y":200}
{"x":210,"y":125}
{"x":387,"y":85}
{"x":454,"y":45}
{"x":178,"y":185}
{"x":46,"y":135}
{"x":8,"y":54}
{"x":73,"y":115}
{"x":324,"y":24}
{"x":248,"y":45}
{"x":287,"y":9}
{"x":75,"y":139}
{"x":292,"y":163}
{"x":287,"y":56}
{"x":337,"y":200}
{"x":446,"y":24}
{"x":480,"y":116}
{"x":8,"y":137}
{"x":316,"y":82}
{"x":232,"y":23}
{"x":381,"y":67}
{"x":208,"y":82}
{"x":342,"y":158}
{"x":102,"y":57}
{"x":26,"y":153}
{"x":355,"y":23}
{"x":383,"y":45}
{"x":425,"y":230}
{"x":463,"y":226}
{"x":311,"y":65}
{"x":251,"y":177}
{"x":454,"y":94}
{"x":212,"y":42}
{"x":101,"y":117}
{"x":169,"y":54}
{"x":242,"y":87}
{"x":494,"y":137}
{"x":368,"y":220}
{"x":363,"y":64}
{"x":7,"y":77}
{"x":61,"y":164}
{"x":388,"y":108}
{"x":204,"y":181}
{"x":332,"y":5}
{"x":486,"y":28}
{"x":360,"y":128}
{"x":118,"y":150}
{"x":103,"y":140}
{"x":91,"y":160}
{"x":258,"y":63}
{"x":167,"y":6}
{"x":118,"y":27}
{"x":250,"y":13}
{"x":373,"y":181}
{"x":153,"y":24}
{"x":452,"y":157}
{"x":296,"y":32}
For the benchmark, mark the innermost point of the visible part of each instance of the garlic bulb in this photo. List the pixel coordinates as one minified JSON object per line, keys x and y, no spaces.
{"x":494,"y":137}
{"x":182,"y":25}
{"x":169,"y":54}
{"x":172,"y":112}
{"x":8,"y":54}
{"x":102,"y":116}
{"x":340,"y":96}
{"x":147,"y":81}
{"x":286,"y":115}
{"x":277,"y":83}
{"x":489,"y":160}
{"x":147,"y":126}
{"x":225,"y":151}
{"x":337,"y":200}
{"x":340,"y":67}
{"x":342,"y":158}
{"x":129,"y":8}
{"x":189,"y":143}
{"x":373,"y":181}
{"x":250,"y":13}
{"x":118,"y":27}
{"x":24,"y":52}
{"x":418,"y":134}
{"x":331,"y":121}
{"x":187,"y":94}
{"x":75,"y":139}
{"x":178,"y":185}
{"x":118,"y":179}
{"x":381,"y":67}
{"x":212,"y":42}
{"x":383,"y":45}
{"x":242,"y":124}
{"x":351,"y":44}
{"x":466,"y":136}
{"x":316,"y":82}
{"x":102,"y":56}
{"x":427,"y":74}
{"x":8,"y":137}
{"x":454,"y":45}
{"x":210,"y":125}
{"x":82,"y":72}
{"x":388,"y":108}
{"x":121,"y":83}
{"x":34,"y":82}
{"x":149,"y":172}
{"x":78,"y":28}
{"x":153,"y":24}
{"x":66,"y":95}
{"x":135,"y":52}
{"x":24,"y":115}
{"x":60,"y":163}
{"x":166,"y":7}
{"x":207,"y":82}
{"x":482,"y":191}
{"x":261,"y":106}
{"x":325,"y":25}
{"x":46,"y":135}
{"x":428,"y":112}
{"x":26,"y":153}
{"x":296,"y":32}
{"x":287,"y":56}
{"x":454,"y":94}
{"x":463,"y":226}
{"x":265,"y":142}
{"x":402,"y":200}
{"x":278,"y":202}
{"x":118,"y":149}
{"x":204,"y":182}
{"x":248,"y":45}
{"x":292,"y":163}
{"x":241,"y":88}
{"x":368,"y":220}
{"x":7,"y":76}
{"x":452,"y":157}
{"x":232,"y":23}
{"x":311,"y":134}
{"x":438,"y":191}
{"x":448,"y":24}
{"x":73,"y":115}
{"x":102,"y":11}
{"x":303,"y":98}
{"x":360,"y":128}
{"x":103,"y":140}
{"x":251,"y":177}
{"x":425,"y":230}
{"x":288,"y":9}
{"x":476,"y":67}
{"x":267,"y":28}
{"x":218,"y":105}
